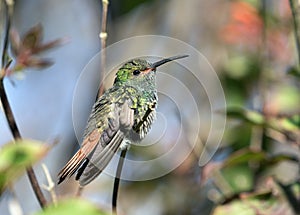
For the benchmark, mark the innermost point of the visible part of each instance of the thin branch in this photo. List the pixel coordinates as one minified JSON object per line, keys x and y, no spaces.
{"x":117,"y":181}
{"x":16,"y":134}
{"x":79,"y":191}
{"x":36,"y":187}
{"x":295,"y":8}
{"x":51,"y":184}
{"x":103,"y":37}
{"x":9,"y":114}
{"x":296,"y":16}
{"x":6,"y":34}
{"x":258,"y":133}
{"x":14,"y":206}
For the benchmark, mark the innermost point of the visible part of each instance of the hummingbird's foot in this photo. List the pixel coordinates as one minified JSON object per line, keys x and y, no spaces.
{"x":125,"y":145}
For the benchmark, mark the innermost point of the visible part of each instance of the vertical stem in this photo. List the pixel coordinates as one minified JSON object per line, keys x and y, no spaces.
{"x":8,"y":14}
{"x":36,"y":187}
{"x":258,"y":133}
{"x":117,"y":181}
{"x":103,"y":37}
{"x":79,"y":191}
{"x":16,"y":133}
{"x":7,"y":109}
{"x":8,"y":112}
{"x":295,"y":8}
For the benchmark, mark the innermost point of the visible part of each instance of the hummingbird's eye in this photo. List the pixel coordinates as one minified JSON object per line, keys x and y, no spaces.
{"x":136,"y":72}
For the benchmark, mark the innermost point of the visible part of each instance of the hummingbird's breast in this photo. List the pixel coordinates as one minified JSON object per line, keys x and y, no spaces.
{"x":143,"y":101}
{"x":144,"y":114}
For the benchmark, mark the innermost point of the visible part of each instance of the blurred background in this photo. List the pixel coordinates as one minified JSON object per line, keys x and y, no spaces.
{"x":251,"y":46}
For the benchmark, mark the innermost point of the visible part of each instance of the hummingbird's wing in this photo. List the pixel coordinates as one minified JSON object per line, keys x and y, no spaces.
{"x":78,"y":159}
{"x":103,"y":137}
{"x":119,"y":124}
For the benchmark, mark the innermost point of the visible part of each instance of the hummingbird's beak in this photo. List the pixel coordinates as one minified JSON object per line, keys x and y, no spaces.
{"x":166,"y":60}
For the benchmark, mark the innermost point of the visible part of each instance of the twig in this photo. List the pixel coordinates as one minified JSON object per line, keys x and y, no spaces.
{"x":36,"y":187}
{"x":14,"y":206}
{"x":295,"y":8}
{"x":79,"y":191}
{"x":258,"y":133}
{"x":296,"y":16}
{"x":9,"y":114}
{"x":51,"y":184}
{"x":103,"y":37}
{"x":6,"y":34}
{"x":117,"y":181}
{"x":16,"y":134}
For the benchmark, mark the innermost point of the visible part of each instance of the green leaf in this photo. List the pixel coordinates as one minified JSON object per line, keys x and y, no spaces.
{"x":247,"y":115}
{"x":237,"y":67}
{"x":244,"y":156}
{"x":73,"y":207}
{"x":294,"y":71}
{"x":275,"y":159}
{"x":252,"y":206}
{"x":284,"y":99}
{"x":247,"y":155}
{"x":239,"y":177}
{"x":283,"y":125}
{"x":238,"y":174}
{"x":280,"y":124}
{"x":16,"y":157}
{"x":268,"y":200}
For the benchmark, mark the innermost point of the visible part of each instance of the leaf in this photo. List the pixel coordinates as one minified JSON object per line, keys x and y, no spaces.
{"x":49,"y":45}
{"x":280,"y":124}
{"x":73,"y":207}
{"x":16,"y":157}
{"x":238,"y":67}
{"x":33,"y":37}
{"x":238,"y":174}
{"x":239,"y":177}
{"x":15,"y":41}
{"x":247,"y":115}
{"x":253,"y":206}
{"x":294,"y":71}
{"x":38,"y":63}
{"x":244,"y":156}
{"x":275,"y":159}
{"x":284,"y":100}
{"x":247,"y":155}
{"x":268,"y":200}
{"x":28,"y":48}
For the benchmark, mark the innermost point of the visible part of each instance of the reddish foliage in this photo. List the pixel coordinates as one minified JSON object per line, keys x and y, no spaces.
{"x":245,"y":28}
{"x":245,"y":25}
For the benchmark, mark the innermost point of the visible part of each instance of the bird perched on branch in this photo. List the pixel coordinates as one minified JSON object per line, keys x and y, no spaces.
{"x":122,"y":115}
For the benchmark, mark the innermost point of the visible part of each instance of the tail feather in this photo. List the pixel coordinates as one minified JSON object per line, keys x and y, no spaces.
{"x":71,"y":167}
{"x":78,"y":160}
{"x":99,"y":160}
{"x":82,"y":168}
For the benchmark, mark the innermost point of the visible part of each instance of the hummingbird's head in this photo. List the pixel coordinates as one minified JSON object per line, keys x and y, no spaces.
{"x":133,"y":70}
{"x":138,"y":70}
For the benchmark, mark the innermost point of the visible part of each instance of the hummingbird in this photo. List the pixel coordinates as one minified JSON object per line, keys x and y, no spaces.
{"x":121,"y":116}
